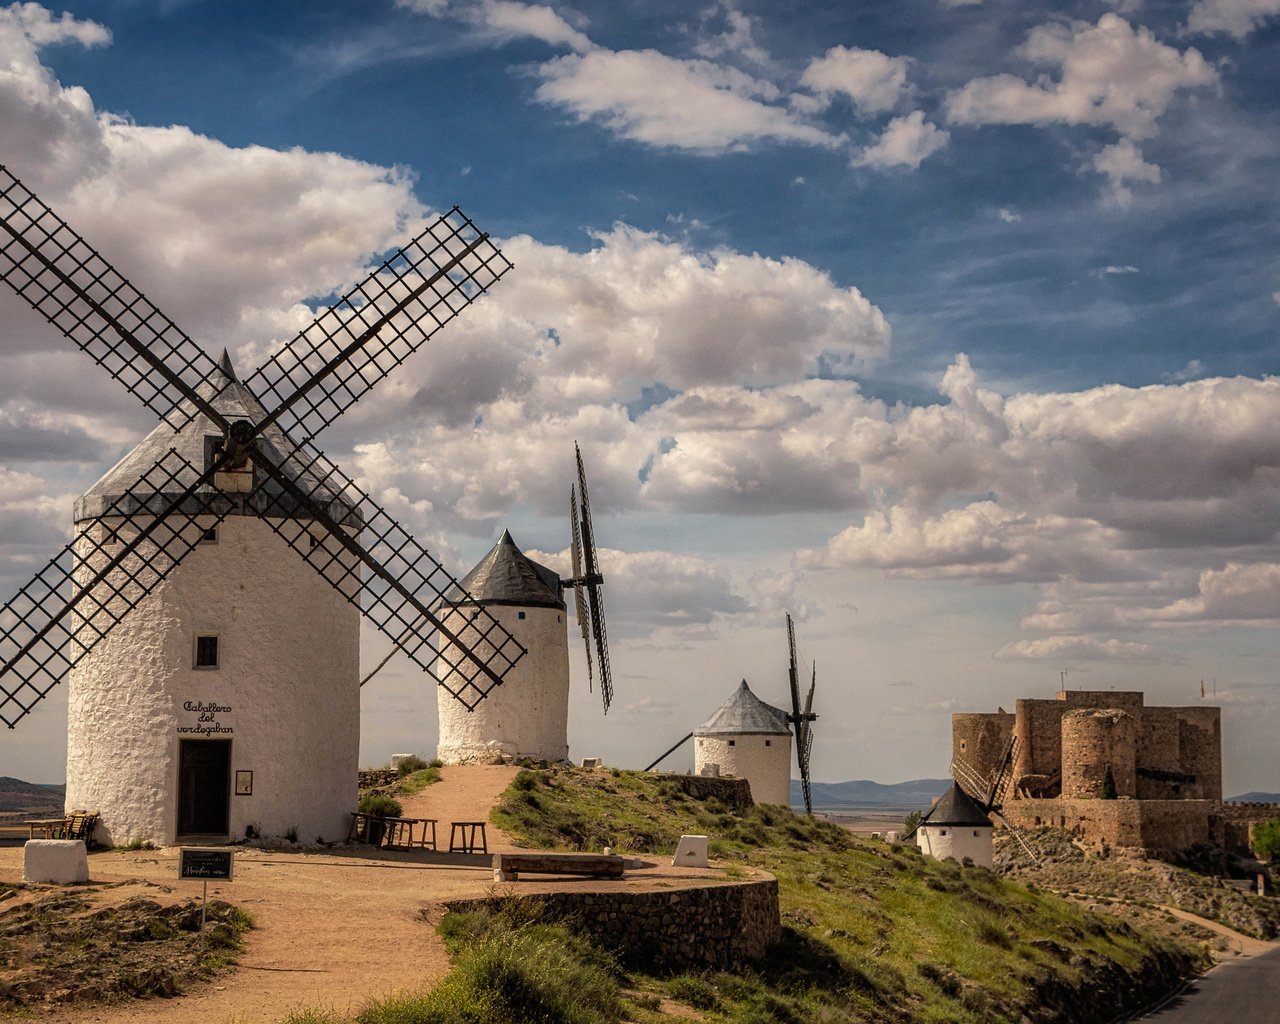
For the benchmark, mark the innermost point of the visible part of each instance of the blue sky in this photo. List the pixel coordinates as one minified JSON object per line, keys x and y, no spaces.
{"x":946,"y":326}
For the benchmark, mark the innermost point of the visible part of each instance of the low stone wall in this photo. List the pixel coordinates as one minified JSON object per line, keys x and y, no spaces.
{"x":377,"y":778}
{"x":719,"y":927}
{"x":735,"y":794}
{"x":1149,"y":826}
{"x":1231,"y":825}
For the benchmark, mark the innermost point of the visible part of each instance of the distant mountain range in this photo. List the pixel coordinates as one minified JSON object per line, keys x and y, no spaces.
{"x":918,"y":793}
{"x":29,"y":798}
{"x":1255,"y":798}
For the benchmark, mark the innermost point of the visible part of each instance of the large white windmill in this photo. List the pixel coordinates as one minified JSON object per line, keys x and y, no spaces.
{"x":207,"y":610}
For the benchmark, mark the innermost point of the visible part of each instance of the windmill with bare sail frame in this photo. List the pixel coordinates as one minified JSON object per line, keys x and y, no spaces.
{"x":529,"y":717}
{"x":198,"y":644}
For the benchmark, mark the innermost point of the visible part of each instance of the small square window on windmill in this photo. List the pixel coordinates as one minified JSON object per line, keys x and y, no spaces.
{"x":232,"y":457}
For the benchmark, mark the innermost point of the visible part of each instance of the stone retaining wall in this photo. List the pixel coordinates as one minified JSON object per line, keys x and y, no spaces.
{"x":735,"y":794}
{"x":720,"y":927}
{"x":377,"y":778}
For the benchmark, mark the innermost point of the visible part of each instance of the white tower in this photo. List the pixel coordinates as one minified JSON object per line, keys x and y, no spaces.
{"x":751,"y":740}
{"x":229,"y":697}
{"x":956,"y":827}
{"x":528,"y":715}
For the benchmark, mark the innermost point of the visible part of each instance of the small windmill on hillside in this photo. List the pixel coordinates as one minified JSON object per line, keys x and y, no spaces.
{"x":989,"y":791}
{"x":529,"y":716}
{"x":750,"y":739}
{"x":236,"y":656}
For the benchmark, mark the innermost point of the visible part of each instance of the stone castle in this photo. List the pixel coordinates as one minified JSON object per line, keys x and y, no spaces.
{"x":1117,"y":773}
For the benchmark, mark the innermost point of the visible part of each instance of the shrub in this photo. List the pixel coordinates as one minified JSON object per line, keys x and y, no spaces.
{"x":694,"y":991}
{"x":380,"y":805}
{"x":409,"y":764}
{"x":435,"y":762}
{"x":1266,"y":839}
{"x":525,"y":780}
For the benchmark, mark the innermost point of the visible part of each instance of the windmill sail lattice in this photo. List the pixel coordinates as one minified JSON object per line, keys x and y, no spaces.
{"x":801,"y":720}
{"x":587,"y":582}
{"x":355,"y":544}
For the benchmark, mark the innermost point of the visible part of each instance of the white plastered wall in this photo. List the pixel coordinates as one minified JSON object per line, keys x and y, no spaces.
{"x":764,"y":761}
{"x":956,"y":842}
{"x":289,"y":653}
{"x":528,"y":715}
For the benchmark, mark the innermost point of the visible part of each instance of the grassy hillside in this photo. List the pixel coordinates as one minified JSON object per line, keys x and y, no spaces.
{"x":872,"y":932}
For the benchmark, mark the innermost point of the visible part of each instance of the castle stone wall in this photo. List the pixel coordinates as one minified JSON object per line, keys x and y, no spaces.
{"x":1147,"y":826}
{"x":1095,"y":741}
{"x":1039,"y":732}
{"x":1200,"y":746}
{"x":981,"y":739}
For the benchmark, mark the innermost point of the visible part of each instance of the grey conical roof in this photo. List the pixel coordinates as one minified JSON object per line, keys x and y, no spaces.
{"x":234,"y":401}
{"x":744,"y":712}
{"x":956,"y":807}
{"x":506,"y":575}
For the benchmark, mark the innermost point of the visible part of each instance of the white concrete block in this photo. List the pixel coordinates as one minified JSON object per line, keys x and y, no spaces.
{"x":61,"y":861}
{"x":691,"y":852}
{"x":592,"y":762}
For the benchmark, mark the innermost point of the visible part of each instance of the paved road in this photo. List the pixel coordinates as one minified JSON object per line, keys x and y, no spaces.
{"x":1243,"y":991}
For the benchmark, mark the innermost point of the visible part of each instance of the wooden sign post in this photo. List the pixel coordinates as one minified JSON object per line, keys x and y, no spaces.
{"x":204,"y":863}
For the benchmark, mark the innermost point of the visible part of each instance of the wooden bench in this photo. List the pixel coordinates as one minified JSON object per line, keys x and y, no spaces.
{"x":468,"y":837}
{"x":507,"y":867}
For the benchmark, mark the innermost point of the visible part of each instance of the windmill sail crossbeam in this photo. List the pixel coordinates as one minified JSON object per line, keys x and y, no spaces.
{"x":66,"y":281}
{"x":312,"y":381}
{"x":96,"y":580}
{"x":587,"y":582}
{"x":378,"y":566}
{"x":372,"y":329}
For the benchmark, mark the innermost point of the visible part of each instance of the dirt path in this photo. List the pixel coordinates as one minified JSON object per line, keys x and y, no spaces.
{"x":464,"y":793}
{"x":335,"y":928}
{"x":1239,"y":943}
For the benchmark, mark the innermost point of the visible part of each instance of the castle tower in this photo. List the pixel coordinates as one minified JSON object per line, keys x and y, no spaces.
{"x":956,"y":827}
{"x":751,"y":740}
{"x":230,"y":696}
{"x":528,"y":715}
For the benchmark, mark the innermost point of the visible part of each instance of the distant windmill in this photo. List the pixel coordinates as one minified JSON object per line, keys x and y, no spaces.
{"x":739,"y":738}
{"x":528,"y":717}
{"x":989,"y":791}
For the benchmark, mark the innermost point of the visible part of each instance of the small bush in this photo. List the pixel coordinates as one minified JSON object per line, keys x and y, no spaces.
{"x":291,"y":833}
{"x":410,"y":764}
{"x":379,"y":805}
{"x":525,"y":780}
{"x":435,"y":762}
{"x":694,"y":991}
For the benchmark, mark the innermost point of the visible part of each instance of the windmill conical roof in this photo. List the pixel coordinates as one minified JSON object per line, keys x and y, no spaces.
{"x":956,"y":807}
{"x":235,"y":401}
{"x":506,"y":575}
{"x":744,"y":712}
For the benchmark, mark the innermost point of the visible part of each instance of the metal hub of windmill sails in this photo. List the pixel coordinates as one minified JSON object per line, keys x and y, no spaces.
{"x":587,"y":583}
{"x":256,"y":466}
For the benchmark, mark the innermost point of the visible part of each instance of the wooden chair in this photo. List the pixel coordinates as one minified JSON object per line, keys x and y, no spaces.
{"x":80,"y":825}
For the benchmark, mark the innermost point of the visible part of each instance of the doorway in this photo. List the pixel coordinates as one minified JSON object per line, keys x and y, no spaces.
{"x":204,"y":787}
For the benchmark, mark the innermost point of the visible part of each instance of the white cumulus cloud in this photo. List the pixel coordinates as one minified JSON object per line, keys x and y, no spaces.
{"x":1233,"y":17}
{"x":874,"y":81}
{"x":905,"y":142}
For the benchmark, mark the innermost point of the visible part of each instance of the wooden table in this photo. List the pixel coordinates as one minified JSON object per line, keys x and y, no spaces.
{"x":51,"y":827}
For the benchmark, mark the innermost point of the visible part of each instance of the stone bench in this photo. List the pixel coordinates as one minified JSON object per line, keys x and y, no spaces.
{"x":507,"y":867}
{"x":61,"y":861}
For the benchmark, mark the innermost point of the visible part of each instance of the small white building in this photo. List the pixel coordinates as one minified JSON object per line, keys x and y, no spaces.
{"x":748,"y":739}
{"x":528,"y":715}
{"x":956,"y":827}
{"x":228,"y":698}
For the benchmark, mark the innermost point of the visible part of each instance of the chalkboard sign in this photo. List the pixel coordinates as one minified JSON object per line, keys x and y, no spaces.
{"x":205,"y":863}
